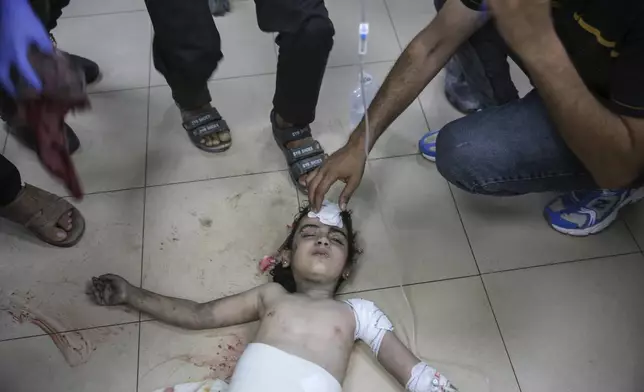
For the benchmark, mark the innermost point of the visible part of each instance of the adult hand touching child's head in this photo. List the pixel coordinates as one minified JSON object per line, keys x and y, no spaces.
{"x":347,"y":165}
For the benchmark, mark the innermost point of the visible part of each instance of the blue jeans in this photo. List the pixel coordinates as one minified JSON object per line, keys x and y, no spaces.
{"x":511,"y":146}
{"x":507,"y":150}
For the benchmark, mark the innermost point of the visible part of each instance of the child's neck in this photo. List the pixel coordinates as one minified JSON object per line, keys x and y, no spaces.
{"x":316,"y":290}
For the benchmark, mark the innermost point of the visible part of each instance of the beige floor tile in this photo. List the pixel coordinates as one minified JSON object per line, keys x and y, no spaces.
{"x":410,"y":17}
{"x":48,"y":284}
{"x":204,"y":240}
{"x":247,"y":50}
{"x":634,"y":217}
{"x":171,"y":356}
{"x":508,"y":233}
{"x":104,"y":360}
{"x":245,"y":103}
{"x":94,"y":7}
{"x":520,"y":79}
{"x":332,"y":127}
{"x":112,"y":153}
{"x":456,"y":333}
{"x":119,"y":43}
{"x":423,"y":239}
{"x":345,"y":15}
{"x":575,"y":327}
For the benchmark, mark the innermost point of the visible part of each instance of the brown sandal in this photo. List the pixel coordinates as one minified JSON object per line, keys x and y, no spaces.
{"x":39,"y":211}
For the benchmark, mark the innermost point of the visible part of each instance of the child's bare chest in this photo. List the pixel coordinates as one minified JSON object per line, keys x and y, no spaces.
{"x":319,"y":331}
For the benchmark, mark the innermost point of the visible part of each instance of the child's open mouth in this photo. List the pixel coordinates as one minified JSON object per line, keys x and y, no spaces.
{"x":320,"y":252}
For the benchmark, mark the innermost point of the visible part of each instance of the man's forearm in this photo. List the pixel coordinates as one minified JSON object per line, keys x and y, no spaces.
{"x":599,"y":138}
{"x":414,"y":69}
{"x":175,"y":311}
{"x":419,"y":63}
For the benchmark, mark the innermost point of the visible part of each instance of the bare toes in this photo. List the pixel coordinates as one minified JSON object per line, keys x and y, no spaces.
{"x":58,"y":234}
{"x":224,"y":137}
{"x":65,"y":221}
{"x":213,"y":140}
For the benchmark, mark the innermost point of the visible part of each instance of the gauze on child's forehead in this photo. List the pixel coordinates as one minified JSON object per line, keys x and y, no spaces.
{"x":330,"y":214}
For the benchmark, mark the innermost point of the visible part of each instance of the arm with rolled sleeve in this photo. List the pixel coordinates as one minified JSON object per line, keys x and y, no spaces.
{"x":608,"y":138}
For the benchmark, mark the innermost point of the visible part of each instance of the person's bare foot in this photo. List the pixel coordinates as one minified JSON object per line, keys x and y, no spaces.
{"x":63,"y":226}
{"x":51,"y":218}
{"x":213,"y":140}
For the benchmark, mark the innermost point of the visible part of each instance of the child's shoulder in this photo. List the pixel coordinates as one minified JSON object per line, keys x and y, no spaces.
{"x":271,"y":291}
{"x":273,"y":288}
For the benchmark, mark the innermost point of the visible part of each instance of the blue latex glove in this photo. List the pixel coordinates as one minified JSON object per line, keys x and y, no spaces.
{"x":19,"y":29}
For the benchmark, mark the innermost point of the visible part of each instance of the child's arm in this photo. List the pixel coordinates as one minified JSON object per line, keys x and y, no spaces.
{"x":374,"y":328}
{"x":396,"y":358}
{"x":237,"y":309}
{"x":408,"y":370}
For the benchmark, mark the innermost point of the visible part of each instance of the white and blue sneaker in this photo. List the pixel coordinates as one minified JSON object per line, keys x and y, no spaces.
{"x":583,"y":213}
{"x":427,"y":145}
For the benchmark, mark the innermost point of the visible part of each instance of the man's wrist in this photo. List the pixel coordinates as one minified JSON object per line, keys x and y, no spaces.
{"x":357,"y":137}
{"x":542,"y":49}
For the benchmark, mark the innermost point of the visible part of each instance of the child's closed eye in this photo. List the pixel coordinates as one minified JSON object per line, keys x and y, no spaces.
{"x":338,"y":240}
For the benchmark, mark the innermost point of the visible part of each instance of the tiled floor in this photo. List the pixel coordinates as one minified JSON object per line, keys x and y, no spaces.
{"x":502,"y":303}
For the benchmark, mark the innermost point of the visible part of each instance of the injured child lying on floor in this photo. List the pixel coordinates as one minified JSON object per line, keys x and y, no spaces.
{"x":305,"y":336}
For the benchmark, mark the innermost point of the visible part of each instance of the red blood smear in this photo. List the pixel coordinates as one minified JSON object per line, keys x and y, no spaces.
{"x":46,"y":117}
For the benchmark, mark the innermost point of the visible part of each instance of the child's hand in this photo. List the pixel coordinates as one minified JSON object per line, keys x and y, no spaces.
{"x":108,"y":290}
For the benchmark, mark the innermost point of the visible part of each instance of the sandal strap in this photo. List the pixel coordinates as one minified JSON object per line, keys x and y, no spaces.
{"x":205,"y":124}
{"x":42,"y":208}
{"x":285,"y":136}
{"x":302,"y":152}
{"x":306,"y":165}
{"x":206,"y":117}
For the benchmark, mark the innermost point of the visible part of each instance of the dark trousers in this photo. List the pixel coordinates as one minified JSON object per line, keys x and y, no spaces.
{"x":10,"y":182}
{"x":187,"y":48}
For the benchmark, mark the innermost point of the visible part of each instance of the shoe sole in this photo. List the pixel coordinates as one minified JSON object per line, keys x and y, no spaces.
{"x":428,"y":157}
{"x":635,"y":197}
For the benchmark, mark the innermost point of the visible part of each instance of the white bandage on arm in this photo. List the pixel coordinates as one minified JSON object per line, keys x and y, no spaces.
{"x":371,"y":323}
{"x":425,"y":378}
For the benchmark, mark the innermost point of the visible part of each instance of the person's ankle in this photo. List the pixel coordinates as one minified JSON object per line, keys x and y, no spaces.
{"x":192,"y":110}
{"x":281,"y":123}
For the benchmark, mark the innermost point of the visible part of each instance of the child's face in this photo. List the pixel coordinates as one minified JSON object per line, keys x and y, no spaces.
{"x":319,"y":251}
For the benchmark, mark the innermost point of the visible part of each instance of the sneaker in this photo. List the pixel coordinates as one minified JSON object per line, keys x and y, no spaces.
{"x":219,"y":7}
{"x":458,"y":92}
{"x":427,"y":145}
{"x":588,"y":212}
